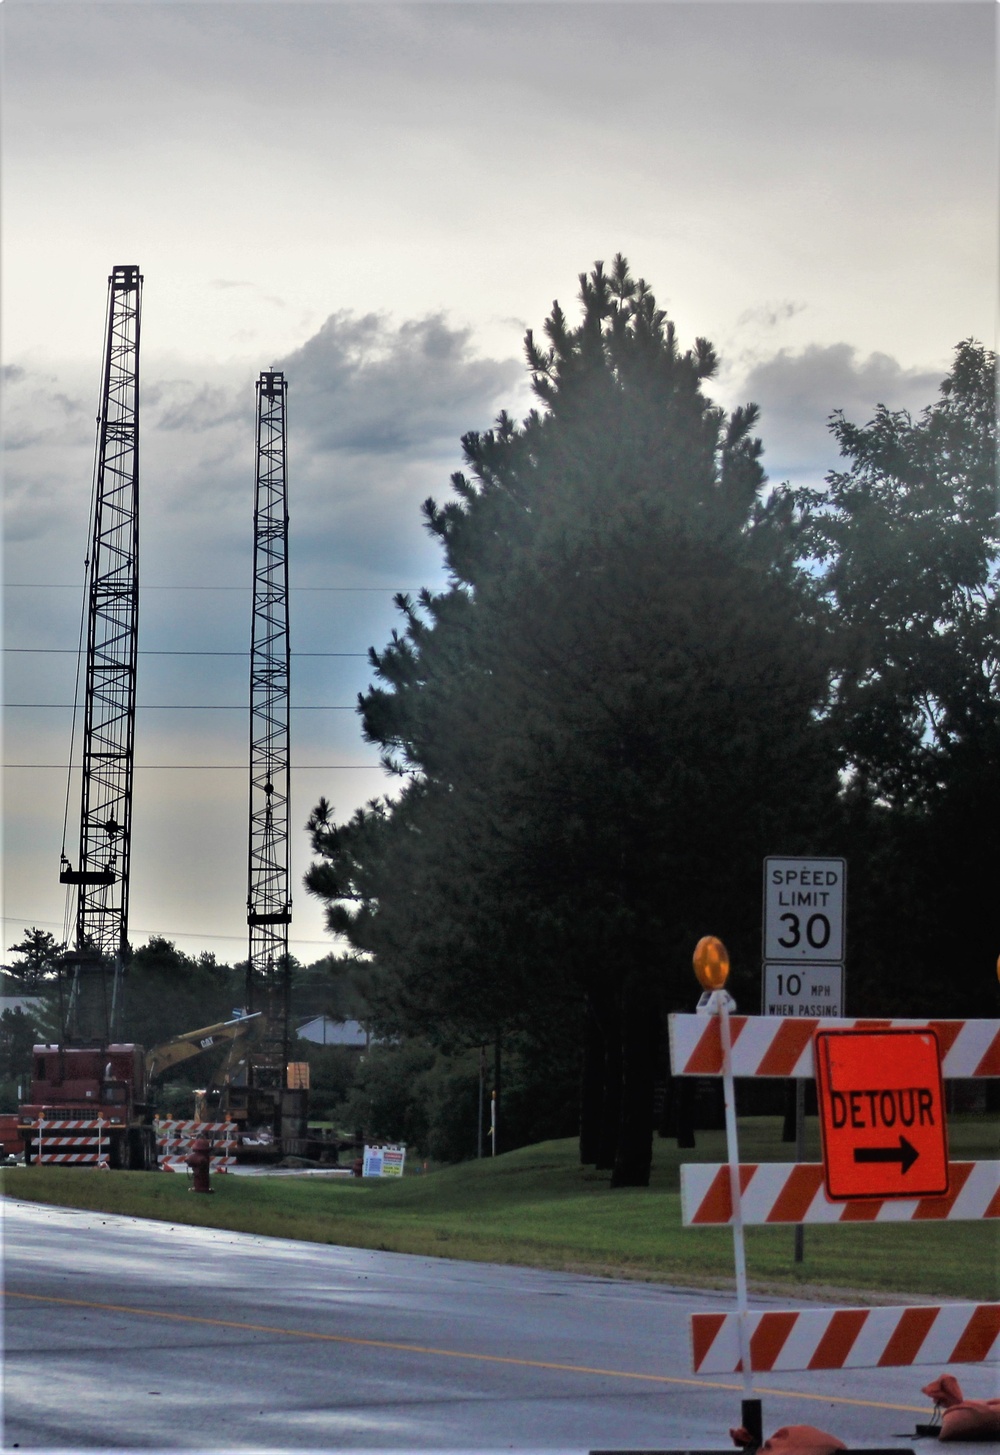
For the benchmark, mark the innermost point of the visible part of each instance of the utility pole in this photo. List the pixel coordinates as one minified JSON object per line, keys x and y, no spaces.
{"x":102,"y":878}
{"x":269,"y":909}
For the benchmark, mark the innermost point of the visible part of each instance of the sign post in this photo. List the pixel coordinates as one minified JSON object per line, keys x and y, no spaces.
{"x":804,"y":905}
{"x":711,"y":966}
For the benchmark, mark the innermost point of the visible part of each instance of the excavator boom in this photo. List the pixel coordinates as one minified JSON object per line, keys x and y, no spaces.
{"x":195,"y":1043}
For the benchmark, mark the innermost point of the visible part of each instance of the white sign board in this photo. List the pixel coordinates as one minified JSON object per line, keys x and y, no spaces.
{"x":804,"y":903}
{"x":383,"y":1162}
{"x":810,"y":990}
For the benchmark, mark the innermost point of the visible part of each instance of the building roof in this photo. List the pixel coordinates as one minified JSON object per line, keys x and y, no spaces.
{"x":27,"y":1003}
{"x":322,"y":1030}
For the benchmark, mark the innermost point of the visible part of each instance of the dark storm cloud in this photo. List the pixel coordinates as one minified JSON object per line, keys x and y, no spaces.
{"x":364,"y":384}
{"x":799,"y":390}
{"x":376,"y":412}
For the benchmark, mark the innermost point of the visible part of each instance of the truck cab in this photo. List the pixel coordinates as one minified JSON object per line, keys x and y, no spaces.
{"x":79,"y":1084}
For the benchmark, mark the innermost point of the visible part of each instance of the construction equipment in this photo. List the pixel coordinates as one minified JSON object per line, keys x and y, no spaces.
{"x":72,"y":1087}
{"x":102,"y":878}
{"x":265,"y":1100}
{"x":196,"y":1043}
{"x":75,"y":1088}
{"x":93,"y":1077}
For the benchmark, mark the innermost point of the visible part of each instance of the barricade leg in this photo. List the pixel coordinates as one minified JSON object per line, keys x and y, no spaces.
{"x":752,"y":1420}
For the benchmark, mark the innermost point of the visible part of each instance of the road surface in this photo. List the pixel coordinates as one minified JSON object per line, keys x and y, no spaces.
{"x":123,"y":1334}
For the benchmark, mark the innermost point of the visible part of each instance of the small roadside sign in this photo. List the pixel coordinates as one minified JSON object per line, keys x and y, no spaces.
{"x":791,"y":988}
{"x":804,"y":910}
{"x":383,"y":1161}
{"x":881,"y":1113}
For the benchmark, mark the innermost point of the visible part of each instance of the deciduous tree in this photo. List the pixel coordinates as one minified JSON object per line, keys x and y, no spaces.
{"x":907,"y":544}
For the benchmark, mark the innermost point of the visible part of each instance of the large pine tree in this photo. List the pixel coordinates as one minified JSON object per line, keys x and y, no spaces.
{"x":604,"y":723}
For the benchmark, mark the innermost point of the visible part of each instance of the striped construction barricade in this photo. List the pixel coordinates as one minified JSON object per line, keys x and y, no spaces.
{"x":83,"y":1142}
{"x":792,"y":1192}
{"x":783,"y":1045}
{"x":848,"y":1338}
{"x":174,"y":1140}
{"x":747,"y":1341}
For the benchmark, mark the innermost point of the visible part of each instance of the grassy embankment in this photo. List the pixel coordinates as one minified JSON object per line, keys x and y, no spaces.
{"x":538,"y":1207}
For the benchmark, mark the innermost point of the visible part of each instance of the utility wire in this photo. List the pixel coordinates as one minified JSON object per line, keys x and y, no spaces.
{"x":179,"y":934}
{"x":66,"y":586}
{"x":195,"y":706}
{"x":146,"y":652}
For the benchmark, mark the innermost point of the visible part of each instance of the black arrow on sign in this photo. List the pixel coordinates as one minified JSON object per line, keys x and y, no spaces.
{"x":905,"y":1154}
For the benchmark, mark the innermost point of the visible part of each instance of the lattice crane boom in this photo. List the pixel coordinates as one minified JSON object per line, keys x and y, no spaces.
{"x":269,"y":909}
{"x":102,"y":878}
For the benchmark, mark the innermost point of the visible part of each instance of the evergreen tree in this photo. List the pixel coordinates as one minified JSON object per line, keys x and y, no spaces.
{"x":604,"y":723}
{"x":168,"y":992}
{"x":40,"y":954}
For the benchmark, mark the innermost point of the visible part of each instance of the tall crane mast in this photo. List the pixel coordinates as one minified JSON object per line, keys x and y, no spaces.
{"x":102,"y":876}
{"x":269,"y":909}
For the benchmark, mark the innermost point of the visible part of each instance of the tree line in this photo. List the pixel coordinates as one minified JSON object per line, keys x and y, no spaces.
{"x":167,"y":993}
{"x":649,"y":669}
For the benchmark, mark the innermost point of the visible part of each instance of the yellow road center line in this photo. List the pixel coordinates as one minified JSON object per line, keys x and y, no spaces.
{"x":148,"y":1313}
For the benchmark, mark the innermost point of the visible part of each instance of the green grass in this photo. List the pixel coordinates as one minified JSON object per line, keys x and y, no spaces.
{"x":538,"y":1207}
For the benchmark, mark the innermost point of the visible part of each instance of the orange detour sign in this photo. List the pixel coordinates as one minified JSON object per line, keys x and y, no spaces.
{"x":881,"y":1112}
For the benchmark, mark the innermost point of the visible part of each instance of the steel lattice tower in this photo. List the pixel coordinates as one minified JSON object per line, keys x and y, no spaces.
{"x":102,"y":878}
{"x":269,"y":909}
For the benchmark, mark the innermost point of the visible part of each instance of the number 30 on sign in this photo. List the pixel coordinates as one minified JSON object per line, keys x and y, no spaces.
{"x":804,"y":910}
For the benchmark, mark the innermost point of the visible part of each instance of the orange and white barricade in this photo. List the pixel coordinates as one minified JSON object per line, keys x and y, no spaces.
{"x":783,"y":1045}
{"x":174,"y":1140}
{"x":721,"y":1043}
{"x":79,"y":1141}
{"x":792,"y":1192}
{"x":849,"y":1338}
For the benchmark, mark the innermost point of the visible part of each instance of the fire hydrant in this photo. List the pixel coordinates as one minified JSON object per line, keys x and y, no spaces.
{"x":199,"y":1159}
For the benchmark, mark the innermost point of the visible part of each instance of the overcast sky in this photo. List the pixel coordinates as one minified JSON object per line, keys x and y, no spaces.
{"x":380,"y":199}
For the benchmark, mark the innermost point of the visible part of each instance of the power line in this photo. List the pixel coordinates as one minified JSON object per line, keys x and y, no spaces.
{"x":16,"y":919}
{"x":145,"y":652}
{"x":213,"y":767}
{"x":195,"y":706}
{"x":67,"y":586}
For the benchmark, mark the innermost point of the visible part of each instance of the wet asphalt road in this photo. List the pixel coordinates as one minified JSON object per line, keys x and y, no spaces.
{"x":129,"y":1335}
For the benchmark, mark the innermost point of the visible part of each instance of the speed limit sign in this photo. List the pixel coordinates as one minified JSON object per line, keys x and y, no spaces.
{"x":804,"y":910}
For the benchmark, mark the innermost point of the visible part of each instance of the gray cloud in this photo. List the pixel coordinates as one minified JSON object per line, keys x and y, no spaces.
{"x":197,"y":407}
{"x":364,"y":384}
{"x":289,"y":51}
{"x":377,"y":409}
{"x":799,"y":390}
{"x":770,"y":315}
{"x":42,"y":408}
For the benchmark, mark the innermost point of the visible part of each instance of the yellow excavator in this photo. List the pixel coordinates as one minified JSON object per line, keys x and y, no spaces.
{"x":112,"y":1083}
{"x":194,"y":1043}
